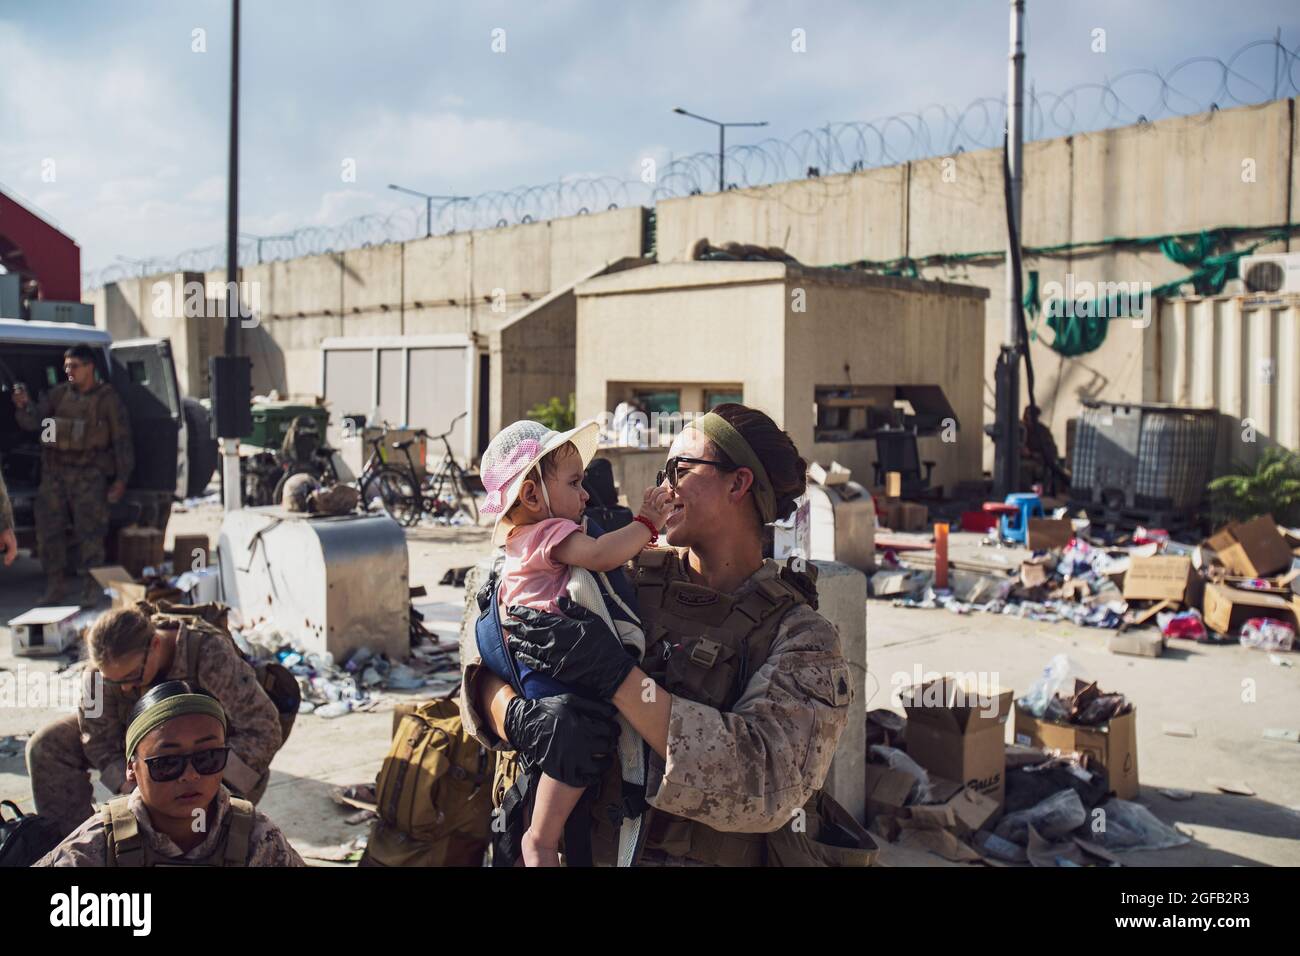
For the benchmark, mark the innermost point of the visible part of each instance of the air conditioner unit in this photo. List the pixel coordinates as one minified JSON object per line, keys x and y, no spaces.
{"x":1275,"y":272}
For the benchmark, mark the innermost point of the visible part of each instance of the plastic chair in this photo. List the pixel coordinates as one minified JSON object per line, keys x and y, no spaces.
{"x":1014,"y":527}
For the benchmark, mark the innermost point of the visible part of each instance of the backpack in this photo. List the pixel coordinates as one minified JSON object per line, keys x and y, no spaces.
{"x":434,"y":791}
{"x":273,"y":677}
{"x":26,"y":837}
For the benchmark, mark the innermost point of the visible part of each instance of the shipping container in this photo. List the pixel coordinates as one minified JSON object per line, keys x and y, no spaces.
{"x":1237,"y":354}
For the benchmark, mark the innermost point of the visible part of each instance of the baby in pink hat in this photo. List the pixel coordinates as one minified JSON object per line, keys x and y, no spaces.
{"x":533,"y":478}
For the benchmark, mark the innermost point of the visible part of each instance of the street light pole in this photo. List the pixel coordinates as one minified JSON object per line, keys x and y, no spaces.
{"x":722,"y":141}
{"x":428,"y":204}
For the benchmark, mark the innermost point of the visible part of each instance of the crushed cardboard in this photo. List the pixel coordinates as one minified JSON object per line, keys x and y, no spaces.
{"x":1226,"y":607}
{"x":1049,"y":534}
{"x":1161,"y":578}
{"x":1254,"y":548}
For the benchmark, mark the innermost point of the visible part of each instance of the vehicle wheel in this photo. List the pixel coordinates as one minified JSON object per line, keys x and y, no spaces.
{"x":200,"y":448}
{"x":397,"y":494}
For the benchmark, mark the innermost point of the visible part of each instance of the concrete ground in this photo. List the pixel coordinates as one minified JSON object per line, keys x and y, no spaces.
{"x":1228,"y":694}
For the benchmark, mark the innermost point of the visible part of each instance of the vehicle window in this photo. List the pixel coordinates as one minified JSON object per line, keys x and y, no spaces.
{"x":138,"y":372}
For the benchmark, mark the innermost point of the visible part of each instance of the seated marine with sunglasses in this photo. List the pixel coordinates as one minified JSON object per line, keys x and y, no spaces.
{"x":179,"y":813}
{"x":131,"y":651}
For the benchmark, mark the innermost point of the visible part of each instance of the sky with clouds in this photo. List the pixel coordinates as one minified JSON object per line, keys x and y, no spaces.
{"x":112,"y":102}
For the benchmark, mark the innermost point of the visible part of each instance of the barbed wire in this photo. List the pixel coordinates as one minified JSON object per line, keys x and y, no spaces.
{"x":1134,"y":97}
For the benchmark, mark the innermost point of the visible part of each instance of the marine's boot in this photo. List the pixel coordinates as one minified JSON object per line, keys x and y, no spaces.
{"x":91,"y":592}
{"x":54,"y":590}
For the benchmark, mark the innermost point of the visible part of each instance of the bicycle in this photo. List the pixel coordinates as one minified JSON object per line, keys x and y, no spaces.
{"x":454,"y":477}
{"x":444,"y":495}
{"x":396,"y":488}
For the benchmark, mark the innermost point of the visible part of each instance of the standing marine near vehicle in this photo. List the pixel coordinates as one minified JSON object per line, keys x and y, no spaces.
{"x":86,"y":459}
{"x":8,"y":541}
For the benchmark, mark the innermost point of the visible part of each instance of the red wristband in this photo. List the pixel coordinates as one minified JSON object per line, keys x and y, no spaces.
{"x":654,"y":535}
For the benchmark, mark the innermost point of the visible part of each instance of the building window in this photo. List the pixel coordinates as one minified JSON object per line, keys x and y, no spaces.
{"x":722,"y":397}
{"x":664,"y":401}
{"x":851,"y":412}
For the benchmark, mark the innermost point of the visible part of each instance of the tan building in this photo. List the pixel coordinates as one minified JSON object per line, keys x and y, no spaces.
{"x":830,"y":355}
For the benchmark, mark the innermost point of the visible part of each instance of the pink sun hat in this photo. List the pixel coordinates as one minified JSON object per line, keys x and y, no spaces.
{"x":514,"y":452}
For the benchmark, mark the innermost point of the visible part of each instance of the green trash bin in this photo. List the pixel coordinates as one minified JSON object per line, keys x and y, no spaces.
{"x":272,"y":419}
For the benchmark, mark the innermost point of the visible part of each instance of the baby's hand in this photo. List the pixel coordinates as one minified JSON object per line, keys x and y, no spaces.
{"x":656,"y":506}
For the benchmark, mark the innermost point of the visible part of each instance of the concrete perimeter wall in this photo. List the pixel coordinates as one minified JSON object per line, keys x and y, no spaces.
{"x":468,"y":282}
{"x":1172,"y":176}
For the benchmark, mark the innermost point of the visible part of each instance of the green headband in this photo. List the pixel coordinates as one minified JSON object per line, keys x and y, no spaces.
{"x":167,"y":708}
{"x":733,"y":444}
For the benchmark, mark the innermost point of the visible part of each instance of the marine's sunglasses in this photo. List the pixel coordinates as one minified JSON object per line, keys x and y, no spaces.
{"x":170,"y":766}
{"x":670,"y":468}
{"x":136,"y":678}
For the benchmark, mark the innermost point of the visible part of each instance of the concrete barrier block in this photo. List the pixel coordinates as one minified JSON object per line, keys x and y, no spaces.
{"x":842,"y":600}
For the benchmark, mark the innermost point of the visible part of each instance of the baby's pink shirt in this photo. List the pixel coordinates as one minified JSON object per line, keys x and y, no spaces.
{"x":530,"y":575}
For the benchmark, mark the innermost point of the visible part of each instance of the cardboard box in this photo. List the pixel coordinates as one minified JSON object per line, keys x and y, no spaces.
{"x":955,"y":733}
{"x":43,"y":631}
{"x":898,"y":581}
{"x":139,"y":548}
{"x":1049,"y":534}
{"x":127,"y":590}
{"x":1253,"y":549}
{"x":1112,"y":745}
{"x":1162,"y":578}
{"x":834,"y":474}
{"x":912,"y":516}
{"x":190,"y":553}
{"x":1146,"y":643}
{"x":887,"y":791}
{"x":1226,"y":608}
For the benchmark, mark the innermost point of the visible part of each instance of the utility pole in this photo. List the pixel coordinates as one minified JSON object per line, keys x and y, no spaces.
{"x":230,"y":373}
{"x":1006,"y":428}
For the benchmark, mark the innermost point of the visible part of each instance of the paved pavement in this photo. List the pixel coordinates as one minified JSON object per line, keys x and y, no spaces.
{"x":1228,"y":694}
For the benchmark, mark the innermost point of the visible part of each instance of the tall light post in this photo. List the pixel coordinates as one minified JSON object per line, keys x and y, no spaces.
{"x":722,"y":140}
{"x":428,"y":204}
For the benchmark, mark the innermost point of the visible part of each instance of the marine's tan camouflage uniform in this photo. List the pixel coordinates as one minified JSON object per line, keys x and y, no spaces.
{"x":88,"y":844}
{"x":60,"y":755}
{"x":6,"y":509}
{"x":74,"y":482}
{"x":749,"y":769}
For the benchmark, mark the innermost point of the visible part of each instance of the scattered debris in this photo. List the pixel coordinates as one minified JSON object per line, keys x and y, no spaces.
{"x":1282,"y":733}
{"x":332,"y":689}
{"x":1233,"y":786}
{"x":1179,"y":730}
{"x":1175,"y":794}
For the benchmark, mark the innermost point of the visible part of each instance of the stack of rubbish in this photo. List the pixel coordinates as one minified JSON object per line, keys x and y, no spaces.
{"x":332,"y":689}
{"x":1023,"y":804}
{"x":1240,"y":584}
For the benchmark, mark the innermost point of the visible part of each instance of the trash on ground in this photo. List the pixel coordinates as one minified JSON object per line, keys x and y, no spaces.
{"x":1233,"y":786}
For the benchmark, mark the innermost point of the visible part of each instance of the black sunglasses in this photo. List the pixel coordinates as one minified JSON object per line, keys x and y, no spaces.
{"x":670,"y":472}
{"x":170,"y":766}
